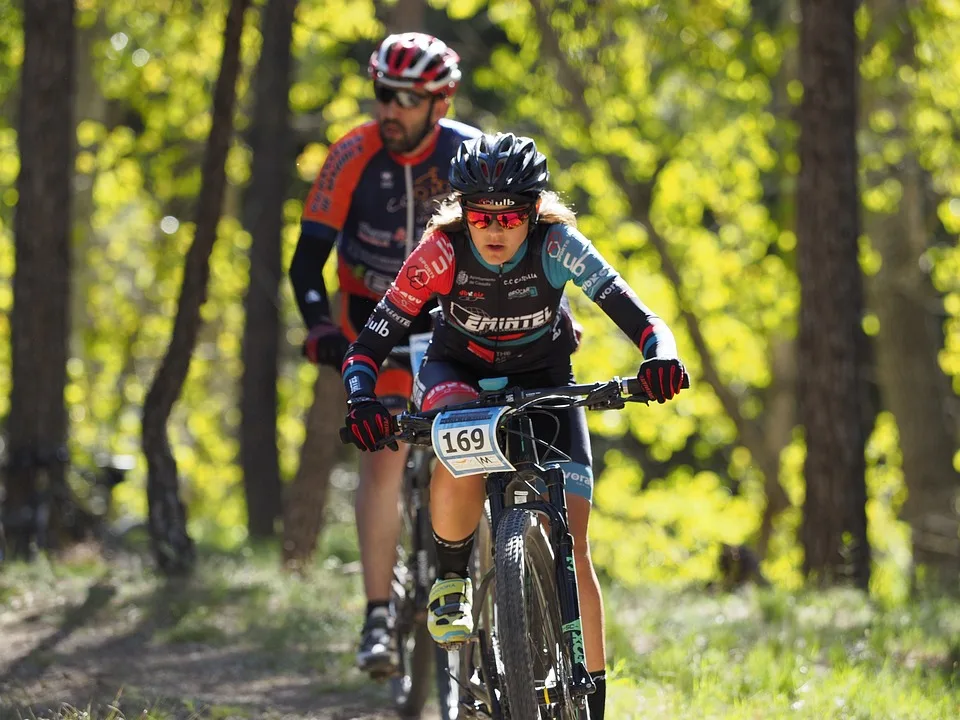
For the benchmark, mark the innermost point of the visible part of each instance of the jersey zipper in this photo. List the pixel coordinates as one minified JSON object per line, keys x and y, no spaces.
{"x":411,"y":210}
{"x":496,"y":342}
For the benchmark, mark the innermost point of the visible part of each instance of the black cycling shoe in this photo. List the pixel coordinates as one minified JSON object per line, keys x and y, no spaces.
{"x":378,"y":654}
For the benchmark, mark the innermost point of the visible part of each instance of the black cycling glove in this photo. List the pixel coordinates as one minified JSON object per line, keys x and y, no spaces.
{"x":661,"y":378}
{"x":326,"y":345}
{"x":369,"y":424}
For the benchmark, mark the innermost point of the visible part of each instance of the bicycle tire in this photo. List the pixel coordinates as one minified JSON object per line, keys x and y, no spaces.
{"x":527,"y":613}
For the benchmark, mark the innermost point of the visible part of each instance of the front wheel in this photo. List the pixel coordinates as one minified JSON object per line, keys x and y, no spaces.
{"x":536,"y":667}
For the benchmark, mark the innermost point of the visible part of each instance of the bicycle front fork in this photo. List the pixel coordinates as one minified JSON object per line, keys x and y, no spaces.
{"x":566,"y":572}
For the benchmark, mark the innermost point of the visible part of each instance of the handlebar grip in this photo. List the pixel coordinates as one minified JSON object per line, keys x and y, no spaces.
{"x":634,"y":387}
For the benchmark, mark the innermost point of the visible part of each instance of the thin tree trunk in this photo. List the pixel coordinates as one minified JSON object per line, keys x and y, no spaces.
{"x":264,"y":219}
{"x":914,"y":386}
{"x":172,"y":546}
{"x":40,"y":320}
{"x":831,"y":340}
{"x":306,"y":498}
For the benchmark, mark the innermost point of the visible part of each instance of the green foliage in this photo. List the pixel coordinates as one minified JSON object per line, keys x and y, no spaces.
{"x":155,"y":65}
{"x":695,"y":98}
{"x":687,"y":90}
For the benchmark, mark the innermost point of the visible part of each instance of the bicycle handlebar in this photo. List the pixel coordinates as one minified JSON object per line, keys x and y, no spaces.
{"x":414,"y":428}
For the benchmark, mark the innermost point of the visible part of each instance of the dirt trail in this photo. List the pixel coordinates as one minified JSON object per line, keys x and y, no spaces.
{"x":85,"y":644}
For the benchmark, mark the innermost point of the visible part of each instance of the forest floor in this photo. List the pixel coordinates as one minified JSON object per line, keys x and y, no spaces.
{"x":86,"y":639}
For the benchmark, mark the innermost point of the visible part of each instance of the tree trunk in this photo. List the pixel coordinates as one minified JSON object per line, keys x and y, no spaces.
{"x":831,"y":340}
{"x":405,"y":16}
{"x":40,"y":321}
{"x":307,"y":496}
{"x":172,"y":546}
{"x":914,"y":387}
{"x":264,"y":219}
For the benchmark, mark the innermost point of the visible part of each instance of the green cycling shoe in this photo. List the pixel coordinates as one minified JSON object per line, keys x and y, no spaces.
{"x":450,"y":611}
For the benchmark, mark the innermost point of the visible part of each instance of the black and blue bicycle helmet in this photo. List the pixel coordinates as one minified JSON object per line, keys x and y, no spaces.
{"x":499,"y":164}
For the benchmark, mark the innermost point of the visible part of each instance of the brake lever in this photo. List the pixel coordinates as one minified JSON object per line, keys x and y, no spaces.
{"x":605,"y":397}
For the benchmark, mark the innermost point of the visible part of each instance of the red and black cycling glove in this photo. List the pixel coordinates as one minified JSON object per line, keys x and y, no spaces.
{"x":326,"y":345}
{"x":368,"y":423}
{"x":661,"y":378}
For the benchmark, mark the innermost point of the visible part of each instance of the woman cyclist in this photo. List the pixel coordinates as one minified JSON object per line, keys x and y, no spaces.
{"x":497,"y":255}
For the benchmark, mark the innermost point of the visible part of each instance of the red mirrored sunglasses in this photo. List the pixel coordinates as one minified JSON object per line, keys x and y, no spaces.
{"x":508,"y":219}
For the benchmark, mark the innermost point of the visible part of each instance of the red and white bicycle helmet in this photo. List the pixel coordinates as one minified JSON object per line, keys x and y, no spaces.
{"x":416,"y":61}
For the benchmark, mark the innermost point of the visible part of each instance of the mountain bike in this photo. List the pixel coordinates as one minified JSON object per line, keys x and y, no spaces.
{"x":526,"y":659}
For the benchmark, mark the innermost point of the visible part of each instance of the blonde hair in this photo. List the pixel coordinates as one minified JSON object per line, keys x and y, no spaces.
{"x":449,"y":216}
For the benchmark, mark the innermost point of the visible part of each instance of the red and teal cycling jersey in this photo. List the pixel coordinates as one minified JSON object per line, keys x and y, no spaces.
{"x":373,"y":205}
{"x":504,"y":319}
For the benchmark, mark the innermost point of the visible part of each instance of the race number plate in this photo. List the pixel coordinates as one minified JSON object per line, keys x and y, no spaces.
{"x":465,"y":441}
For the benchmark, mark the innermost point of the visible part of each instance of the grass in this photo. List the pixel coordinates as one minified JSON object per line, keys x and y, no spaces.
{"x":748,"y":655}
{"x":764,"y":654}
{"x":155,"y":712}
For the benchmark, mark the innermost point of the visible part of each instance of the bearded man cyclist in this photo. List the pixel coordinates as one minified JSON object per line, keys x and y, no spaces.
{"x":497,"y":255}
{"x":372,"y":199}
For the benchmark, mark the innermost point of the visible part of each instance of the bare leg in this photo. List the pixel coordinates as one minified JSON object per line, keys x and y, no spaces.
{"x":378,"y":518}
{"x":456,"y":504}
{"x":591,"y":602}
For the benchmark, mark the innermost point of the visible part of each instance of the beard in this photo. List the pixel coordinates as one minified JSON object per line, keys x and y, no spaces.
{"x":403,"y":141}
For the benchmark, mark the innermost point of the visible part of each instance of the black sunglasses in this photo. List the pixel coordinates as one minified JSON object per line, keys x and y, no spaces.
{"x":407,"y":99}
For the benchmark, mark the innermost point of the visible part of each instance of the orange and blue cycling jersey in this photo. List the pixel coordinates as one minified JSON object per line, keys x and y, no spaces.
{"x":373,"y":206}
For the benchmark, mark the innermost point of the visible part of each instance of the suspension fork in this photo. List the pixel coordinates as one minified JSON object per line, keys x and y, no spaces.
{"x":566,"y":573}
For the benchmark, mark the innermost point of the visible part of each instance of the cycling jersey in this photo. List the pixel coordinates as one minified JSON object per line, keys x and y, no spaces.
{"x":500,"y":320}
{"x":373,"y":204}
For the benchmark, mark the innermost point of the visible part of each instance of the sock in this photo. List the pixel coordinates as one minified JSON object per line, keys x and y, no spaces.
{"x":375,"y":604}
{"x":453,"y":557}
{"x":598,"y":700}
